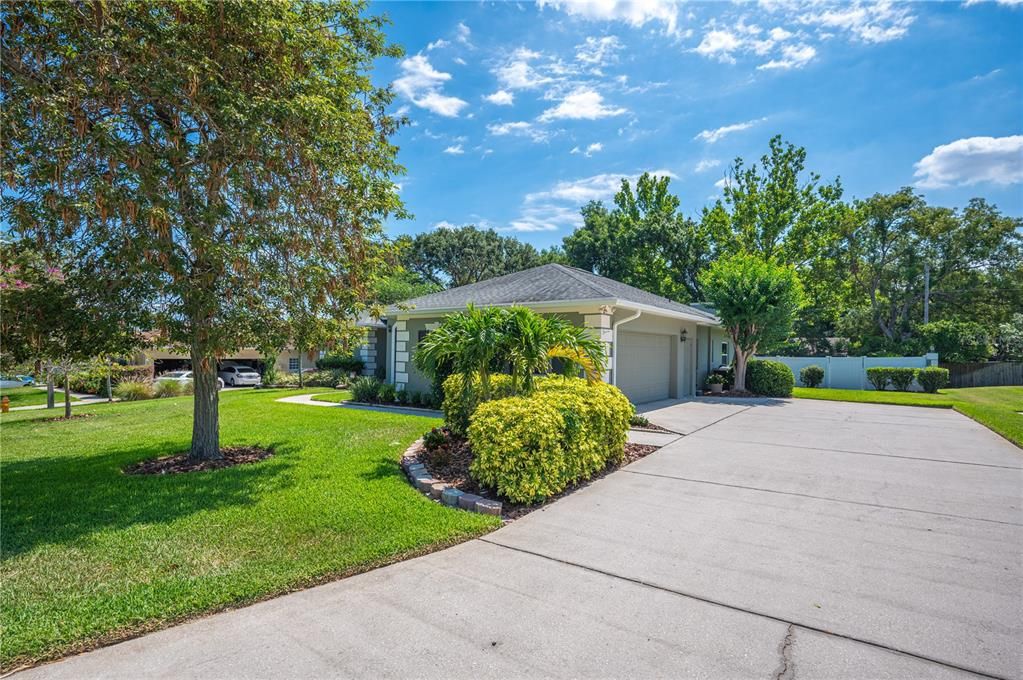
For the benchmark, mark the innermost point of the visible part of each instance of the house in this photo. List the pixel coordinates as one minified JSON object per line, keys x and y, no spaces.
{"x":657,"y":348}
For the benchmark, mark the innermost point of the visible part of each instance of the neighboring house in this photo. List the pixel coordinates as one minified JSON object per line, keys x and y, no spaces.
{"x":657,"y":348}
{"x":288,"y":360}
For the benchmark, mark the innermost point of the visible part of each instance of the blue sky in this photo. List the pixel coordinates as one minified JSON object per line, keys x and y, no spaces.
{"x":522,"y":112}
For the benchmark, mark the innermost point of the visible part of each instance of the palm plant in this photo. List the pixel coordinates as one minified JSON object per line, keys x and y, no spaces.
{"x":531,"y":341}
{"x":469,"y":343}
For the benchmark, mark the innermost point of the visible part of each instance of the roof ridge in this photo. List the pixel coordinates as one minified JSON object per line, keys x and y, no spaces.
{"x":580,"y":279}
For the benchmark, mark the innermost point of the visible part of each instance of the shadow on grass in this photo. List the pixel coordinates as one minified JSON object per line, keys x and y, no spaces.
{"x":61,"y":499}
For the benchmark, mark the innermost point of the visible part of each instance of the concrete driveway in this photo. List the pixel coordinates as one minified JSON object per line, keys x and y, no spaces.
{"x":785,"y":539}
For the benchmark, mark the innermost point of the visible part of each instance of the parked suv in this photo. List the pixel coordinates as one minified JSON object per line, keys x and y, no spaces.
{"x":240,"y":375}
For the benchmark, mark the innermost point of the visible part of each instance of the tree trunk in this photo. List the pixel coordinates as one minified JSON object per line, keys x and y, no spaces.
{"x":301,"y":378}
{"x":49,"y":387}
{"x":205,"y":413}
{"x":67,"y":394}
{"x":740,"y":369}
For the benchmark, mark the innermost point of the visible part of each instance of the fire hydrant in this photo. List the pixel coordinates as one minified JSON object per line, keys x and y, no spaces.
{"x":5,"y":404}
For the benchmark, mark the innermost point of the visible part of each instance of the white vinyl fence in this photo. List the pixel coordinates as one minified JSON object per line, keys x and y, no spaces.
{"x":850,"y":373}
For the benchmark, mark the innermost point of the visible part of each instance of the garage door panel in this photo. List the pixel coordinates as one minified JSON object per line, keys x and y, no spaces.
{"x":644,"y":366}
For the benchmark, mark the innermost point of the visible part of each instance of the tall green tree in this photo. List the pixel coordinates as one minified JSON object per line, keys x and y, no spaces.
{"x":195,"y":143}
{"x":643,"y":241}
{"x":457,"y":256}
{"x":892,"y":241}
{"x":756,"y":299}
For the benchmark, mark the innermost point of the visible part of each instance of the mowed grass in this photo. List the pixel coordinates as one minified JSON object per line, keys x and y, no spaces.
{"x":337,"y":396}
{"x":90,"y":555}
{"x":32,"y":396}
{"x":998,"y":408}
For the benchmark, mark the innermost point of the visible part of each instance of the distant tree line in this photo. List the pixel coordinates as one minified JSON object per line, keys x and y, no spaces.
{"x":864,"y":264}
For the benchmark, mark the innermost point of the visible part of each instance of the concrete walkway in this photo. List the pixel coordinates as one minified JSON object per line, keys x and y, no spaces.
{"x":798,"y":539}
{"x":307,"y":399}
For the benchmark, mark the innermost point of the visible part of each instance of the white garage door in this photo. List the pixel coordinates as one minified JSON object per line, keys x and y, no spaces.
{"x":644,"y":366}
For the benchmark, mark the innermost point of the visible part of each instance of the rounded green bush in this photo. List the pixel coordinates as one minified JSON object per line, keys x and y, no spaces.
{"x":902,"y":378}
{"x":811,"y":376}
{"x":932,"y":378}
{"x":769,"y":378}
{"x":460,"y":403}
{"x":134,"y":390}
{"x":879,"y":377}
{"x":365,"y":388}
{"x":532,"y":447}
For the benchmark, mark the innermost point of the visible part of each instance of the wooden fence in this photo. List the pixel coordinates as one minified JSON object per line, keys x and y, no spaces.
{"x":985,"y":374}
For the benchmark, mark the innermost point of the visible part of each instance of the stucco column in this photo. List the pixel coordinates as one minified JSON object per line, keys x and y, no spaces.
{"x":599,"y":326}
{"x":367,"y":351}
{"x":401,"y":340}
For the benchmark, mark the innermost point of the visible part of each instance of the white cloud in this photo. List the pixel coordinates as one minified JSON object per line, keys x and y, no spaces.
{"x":516,"y":73}
{"x":591,"y":149}
{"x":706,"y":164}
{"x":711,"y":136}
{"x":1007,"y":3}
{"x":501,"y":98}
{"x":518,"y":128}
{"x":722,"y":183}
{"x":582,"y":103}
{"x":459,"y":61}
{"x":974,"y":160}
{"x":437,"y":44}
{"x":792,"y":56}
{"x":779,"y":34}
{"x":873,"y":22}
{"x":444,"y":224}
{"x":597,"y":52}
{"x":558,"y":207}
{"x":719,"y":44}
{"x":455,"y":150}
{"x":635,"y":13}
{"x":463,"y":33}
{"x":421,"y":84}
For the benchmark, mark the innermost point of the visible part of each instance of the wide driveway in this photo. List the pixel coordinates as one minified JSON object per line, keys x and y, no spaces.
{"x":788,"y":539}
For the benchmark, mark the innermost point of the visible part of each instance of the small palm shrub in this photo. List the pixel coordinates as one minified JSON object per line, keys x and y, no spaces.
{"x":402,"y":397}
{"x":932,"y":378}
{"x":365,"y":389}
{"x":769,"y":378}
{"x":902,"y":378}
{"x":811,"y":376}
{"x":386,"y":393}
{"x":134,"y":390}
{"x":532,"y":447}
{"x":167,"y":388}
{"x":879,"y":377}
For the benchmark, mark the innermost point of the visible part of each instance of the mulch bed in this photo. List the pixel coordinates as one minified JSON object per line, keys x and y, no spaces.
{"x":172,"y":465}
{"x":450,"y":462}
{"x":730,"y":393}
{"x":650,"y":427}
{"x":74,"y":416}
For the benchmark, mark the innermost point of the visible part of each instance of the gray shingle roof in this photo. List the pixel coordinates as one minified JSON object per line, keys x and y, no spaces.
{"x":547,"y":283}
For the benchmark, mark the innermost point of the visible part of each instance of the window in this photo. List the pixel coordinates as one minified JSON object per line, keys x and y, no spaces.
{"x":292,"y":363}
{"x":724,"y":353}
{"x":421,"y":335}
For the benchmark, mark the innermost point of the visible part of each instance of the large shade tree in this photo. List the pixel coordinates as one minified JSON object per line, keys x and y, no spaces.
{"x":756,"y":299}
{"x":456,"y":256}
{"x":195,"y":143}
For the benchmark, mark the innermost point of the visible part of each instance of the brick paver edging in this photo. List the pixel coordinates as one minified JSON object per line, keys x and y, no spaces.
{"x":421,"y":479}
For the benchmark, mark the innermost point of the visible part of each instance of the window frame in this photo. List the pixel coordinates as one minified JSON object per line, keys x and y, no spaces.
{"x":724,"y":352}
{"x":293,"y":364}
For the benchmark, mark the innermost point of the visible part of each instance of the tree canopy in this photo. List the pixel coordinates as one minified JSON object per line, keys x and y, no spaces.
{"x":194,"y":145}
{"x":456,"y":256}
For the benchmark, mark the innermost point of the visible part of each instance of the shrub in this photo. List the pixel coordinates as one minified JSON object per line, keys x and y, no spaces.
{"x":167,"y":388}
{"x":811,"y":376}
{"x":639,"y":421}
{"x":386,"y":393}
{"x":287,"y":380}
{"x":402,"y":396}
{"x":460,"y":403}
{"x":532,"y":447}
{"x":415,"y":399}
{"x":365,"y":389}
{"x":93,"y":380}
{"x":902,"y":377}
{"x":134,"y":389}
{"x":769,"y":378}
{"x":716,"y":379}
{"x":345,"y":363}
{"x":932,"y":378}
{"x":271,"y":374}
{"x":879,"y":377}
{"x":323,"y":378}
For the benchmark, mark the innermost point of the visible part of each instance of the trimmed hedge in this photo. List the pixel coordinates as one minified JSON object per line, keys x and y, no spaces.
{"x":811,"y":376}
{"x":769,"y":378}
{"x":532,"y":447}
{"x":902,"y":378}
{"x":879,"y":377}
{"x":932,"y":378}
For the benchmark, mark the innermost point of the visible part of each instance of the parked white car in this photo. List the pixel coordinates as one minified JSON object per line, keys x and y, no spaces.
{"x":9,"y":382}
{"x":240,"y":375}
{"x":184,"y":377}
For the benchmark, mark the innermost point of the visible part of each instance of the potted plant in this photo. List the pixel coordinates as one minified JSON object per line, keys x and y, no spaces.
{"x":716,"y":383}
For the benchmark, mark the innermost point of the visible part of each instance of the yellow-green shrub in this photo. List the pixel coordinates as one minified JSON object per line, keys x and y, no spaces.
{"x":532,"y":447}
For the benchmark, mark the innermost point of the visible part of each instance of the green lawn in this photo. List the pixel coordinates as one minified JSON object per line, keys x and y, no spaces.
{"x":90,"y":555}
{"x":995,"y":407}
{"x":31,"y":396}
{"x":336,"y":396}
